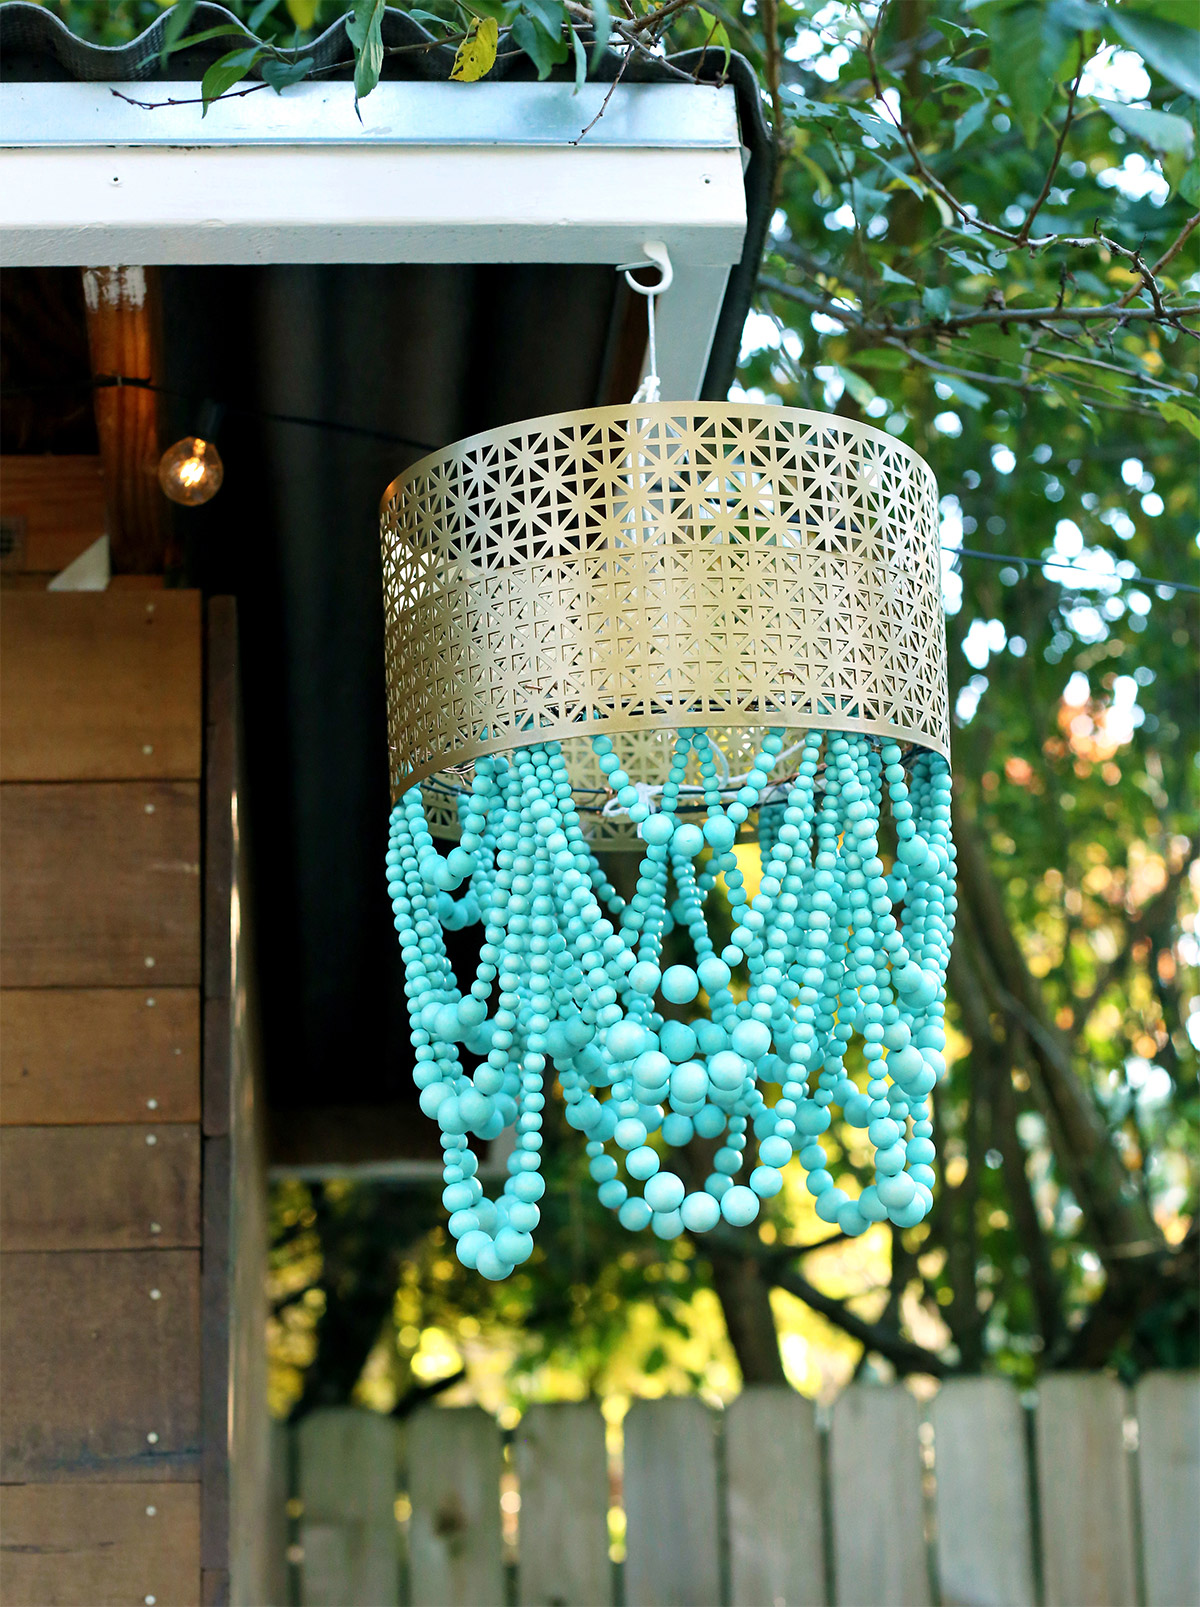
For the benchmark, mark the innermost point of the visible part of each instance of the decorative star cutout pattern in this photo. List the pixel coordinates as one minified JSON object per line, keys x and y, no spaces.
{"x":635,"y":570}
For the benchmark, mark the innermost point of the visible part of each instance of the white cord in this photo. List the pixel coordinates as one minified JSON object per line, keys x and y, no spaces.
{"x":657,"y":256}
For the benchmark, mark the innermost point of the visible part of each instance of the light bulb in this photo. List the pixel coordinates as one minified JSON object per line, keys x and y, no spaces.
{"x":191,"y":471}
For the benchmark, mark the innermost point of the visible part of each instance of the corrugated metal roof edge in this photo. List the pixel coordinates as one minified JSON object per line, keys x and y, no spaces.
{"x":35,"y":46}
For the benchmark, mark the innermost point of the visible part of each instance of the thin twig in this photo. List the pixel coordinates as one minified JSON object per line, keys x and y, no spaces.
{"x":1023,"y":231}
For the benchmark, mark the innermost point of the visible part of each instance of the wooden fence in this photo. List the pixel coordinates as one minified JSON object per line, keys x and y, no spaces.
{"x":974,"y":1497}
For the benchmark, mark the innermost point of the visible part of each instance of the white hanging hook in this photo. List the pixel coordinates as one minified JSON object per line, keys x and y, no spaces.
{"x":656,"y":256}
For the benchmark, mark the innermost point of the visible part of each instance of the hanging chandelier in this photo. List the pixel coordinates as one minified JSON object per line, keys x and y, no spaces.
{"x":669,"y":629}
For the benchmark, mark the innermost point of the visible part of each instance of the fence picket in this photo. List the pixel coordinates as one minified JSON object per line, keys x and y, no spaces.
{"x":562,"y":1466}
{"x":773,"y":1495}
{"x":984,"y":1551}
{"x":348,"y":1532}
{"x":672,"y":1550}
{"x":878,"y":1511}
{"x":1168,"y":1411}
{"x":454,"y":1461}
{"x":1084,"y":1488}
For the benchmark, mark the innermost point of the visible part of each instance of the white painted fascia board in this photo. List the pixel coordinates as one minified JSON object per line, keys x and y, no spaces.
{"x":435,"y":174}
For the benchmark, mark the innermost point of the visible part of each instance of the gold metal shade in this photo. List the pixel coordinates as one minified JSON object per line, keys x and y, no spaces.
{"x":633,"y":570}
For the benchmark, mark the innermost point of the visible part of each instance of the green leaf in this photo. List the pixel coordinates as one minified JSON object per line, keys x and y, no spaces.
{"x":1161,"y":130}
{"x":550,"y":13}
{"x":364,"y":31}
{"x":1175,"y":414}
{"x":818,"y":110}
{"x":965,"y":75}
{"x":542,"y":50}
{"x":1029,"y":44}
{"x":720,"y":37}
{"x":860,"y":389}
{"x":971,"y":121}
{"x":881,"y":357}
{"x":965,"y":391}
{"x":602,"y":22}
{"x":225,"y":72}
{"x":891,"y":277}
{"x":177,"y":21}
{"x":936,"y":301}
{"x":279,"y":74}
{"x":1189,"y":182}
{"x":580,"y":62}
{"x":431,"y":17}
{"x":260,"y":14}
{"x":877,"y":127}
{"x":963,"y":259}
{"x":225,"y":31}
{"x":1171,"y":50}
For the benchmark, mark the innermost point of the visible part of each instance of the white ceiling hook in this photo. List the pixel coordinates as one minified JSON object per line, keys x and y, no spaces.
{"x":656,"y":256}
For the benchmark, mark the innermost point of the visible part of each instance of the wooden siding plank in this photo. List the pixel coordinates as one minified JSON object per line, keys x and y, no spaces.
{"x":95,"y":1364}
{"x":773,"y":1495}
{"x":984,"y":1551}
{"x":100,"y":1188}
{"x":55,"y":507}
{"x":100,"y":687}
{"x":453,"y":1462}
{"x":878,"y":1516}
{"x":562,"y":1467}
{"x":100,"y":1545}
{"x":1084,"y":1487}
{"x":69,"y":1056}
{"x":348,"y":1531}
{"x":672,"y":1550}
{"x":100,"y":884}
{"x":1168,"y":1411}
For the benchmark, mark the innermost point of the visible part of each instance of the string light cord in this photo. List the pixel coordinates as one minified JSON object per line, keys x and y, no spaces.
{"x":110,"y":381}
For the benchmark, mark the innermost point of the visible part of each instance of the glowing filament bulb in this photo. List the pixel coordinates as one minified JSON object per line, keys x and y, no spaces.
{"x":191,"y":471}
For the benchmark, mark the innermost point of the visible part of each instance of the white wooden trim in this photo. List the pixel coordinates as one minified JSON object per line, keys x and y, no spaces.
{"x":667,"y":115}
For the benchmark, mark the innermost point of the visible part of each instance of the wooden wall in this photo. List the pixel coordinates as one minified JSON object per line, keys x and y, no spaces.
{"x":117,"y":1206}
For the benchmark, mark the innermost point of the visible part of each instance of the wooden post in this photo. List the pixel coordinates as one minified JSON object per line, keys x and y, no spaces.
{"x":563,"y":1470}
{"x":878,"y":1515}
{"x":124,"y":337}
{"x":671,"y":1504}
{"x":773,"y":1469}
{"x":984,"y":1549}
{"x":1168,"y":1410}
{"x":1084,"y":1487}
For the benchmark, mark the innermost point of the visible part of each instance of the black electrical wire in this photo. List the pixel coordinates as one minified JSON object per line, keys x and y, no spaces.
{"x":113,"y":381}
{"x":104,"y":382}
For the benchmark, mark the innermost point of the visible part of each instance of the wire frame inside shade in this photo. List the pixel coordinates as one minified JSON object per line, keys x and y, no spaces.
{"x":641,"y":569}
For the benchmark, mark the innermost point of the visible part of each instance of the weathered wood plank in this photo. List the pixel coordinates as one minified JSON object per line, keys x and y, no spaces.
{"x":347,"y":1485}
{"x":99,"y":1188}
{"x":55,"y":507}
{"x":672,"y":1552}
{"x":1168,"y":1412}
{"x":101,"y":1376}
{"x":1084,"y":1489}
{"x":773,"y":1495}
{"x":453,"y":1465}
{"x":100,"y":884}
{"x":75,"y":1055}
{"x":562,"y":1467}
{"x":100,"y":1545}
{"x":984,"y":1550}
{"x":100,"y":686}
{"x":878,"y":1511}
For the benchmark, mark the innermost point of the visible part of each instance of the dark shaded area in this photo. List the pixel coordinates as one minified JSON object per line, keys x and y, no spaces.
{"x":44,"y":368}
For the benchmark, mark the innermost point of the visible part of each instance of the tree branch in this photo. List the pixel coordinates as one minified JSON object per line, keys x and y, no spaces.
{"x":904,"y":1354}
{"x":1148,"y":920}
